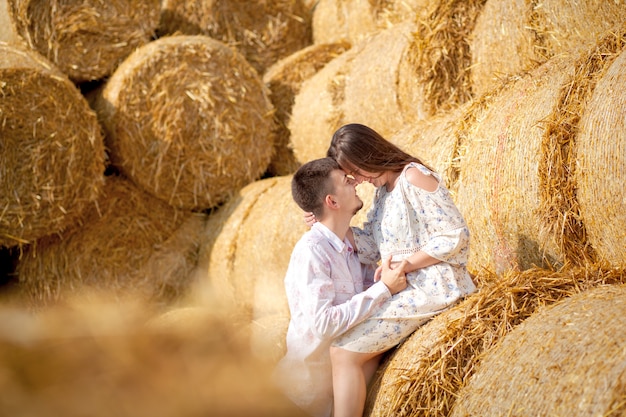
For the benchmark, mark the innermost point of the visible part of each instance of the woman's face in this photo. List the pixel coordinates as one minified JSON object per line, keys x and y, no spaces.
{"x":377,"y":179}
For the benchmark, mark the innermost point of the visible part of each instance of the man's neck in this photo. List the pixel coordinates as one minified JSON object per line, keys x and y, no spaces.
{"x":337,"y":225}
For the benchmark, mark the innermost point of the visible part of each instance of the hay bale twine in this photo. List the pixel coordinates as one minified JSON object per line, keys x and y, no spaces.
{"x":354,"y":20}
{"x":567,"y":359}
{"x":430,"y":369}
{"x":130,"y":243}
{"x":86,"y":39}
{"x":601,"y":166}
{"x":263,"y":31}
{"x":52,"y":160}
{"x":108,"y":358}
{"x":284,"y":80}
{"x":528,"y":34}
{"x":187,"y":119}
{"x":247,"y":246}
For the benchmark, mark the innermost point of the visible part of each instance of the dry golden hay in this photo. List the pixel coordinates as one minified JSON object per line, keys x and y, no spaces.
{"x":372,"y":83}
{"x":528,"y":33}
{"x":499,"y":190}
{"x":263,"y":31}
{"x":564,"y":360}
{"x":354,"y":20}
{"x":52,"y":160}
{"x":284,"y":80}
{"x":600,"y":171}
{"x":131,"y":242}
{"x":318,"y":109}
{"x":187,"y":119}
{"x":86,"y":39}
{"x":246,"y":249}
{"x":122,"y":359}
{"x":426,"y":373}
{"x":434,"y":141}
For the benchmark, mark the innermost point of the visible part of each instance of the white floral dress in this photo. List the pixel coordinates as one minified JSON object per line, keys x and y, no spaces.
{"x":400,"y":223}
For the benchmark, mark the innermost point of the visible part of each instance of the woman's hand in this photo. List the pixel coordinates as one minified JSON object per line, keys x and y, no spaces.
{"x":309,"y":218}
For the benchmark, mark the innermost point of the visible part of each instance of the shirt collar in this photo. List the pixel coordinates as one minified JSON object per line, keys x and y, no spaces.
{"x":334,"y":240}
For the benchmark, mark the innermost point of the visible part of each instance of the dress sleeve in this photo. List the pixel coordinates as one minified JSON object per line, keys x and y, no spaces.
{"x":328,"y":320}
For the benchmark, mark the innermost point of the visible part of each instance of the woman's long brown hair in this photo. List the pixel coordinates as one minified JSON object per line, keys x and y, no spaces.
{"x":358,"y":146}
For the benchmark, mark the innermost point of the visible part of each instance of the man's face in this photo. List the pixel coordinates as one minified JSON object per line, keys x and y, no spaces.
{"x":345,"y":192}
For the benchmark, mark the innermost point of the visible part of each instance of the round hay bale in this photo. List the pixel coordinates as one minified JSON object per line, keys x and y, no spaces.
{"x":567,"y":359}
{"x":432,"y":366}
{"x":527,"y":35}
{"x":354,"y":20}
{"x":284,"y":80}
{"x":86,"y":39}
{"x":52,"y":160}
{"x":188,"y":120}
{"x":318,"y":109}
{"x":102,"y":359}
{"x":130,"y":242}
{"x":601,"y":165}
{"x":263,"y":31}
{"x":247,"y":246}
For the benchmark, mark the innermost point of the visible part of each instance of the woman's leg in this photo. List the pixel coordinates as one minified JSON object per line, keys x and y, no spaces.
{"x":351,"y":373}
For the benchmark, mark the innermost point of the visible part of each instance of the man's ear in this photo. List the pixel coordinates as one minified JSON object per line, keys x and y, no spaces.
{"x":331,"y":201}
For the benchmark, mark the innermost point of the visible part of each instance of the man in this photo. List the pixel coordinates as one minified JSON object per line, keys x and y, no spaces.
{"x":329,"y":291}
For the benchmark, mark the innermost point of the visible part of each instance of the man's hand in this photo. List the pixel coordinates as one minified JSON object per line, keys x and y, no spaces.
{"x":393,"y":277}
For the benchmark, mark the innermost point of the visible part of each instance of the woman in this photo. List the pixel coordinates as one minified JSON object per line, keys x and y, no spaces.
{"x":413,"y":217}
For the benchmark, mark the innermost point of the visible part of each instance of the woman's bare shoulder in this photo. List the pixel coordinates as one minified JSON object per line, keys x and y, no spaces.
{"x":423,"y":180}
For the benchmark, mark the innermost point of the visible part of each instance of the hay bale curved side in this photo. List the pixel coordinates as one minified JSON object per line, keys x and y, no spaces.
{"x":263,"y":31}
{"x":187,"y":119}
{"x":499,"y":188}
{"x":601,"y":166}
{"x":86,"y":39}
{"x":284,"y":80}
{"x":567,"y":359}
{"x":526,"y":35}
{"x":113,"y":250}
{"x":354,"y":20}
{"x":53,"y":157}
{"x":429,"y":369}
{"x":318,"y":109}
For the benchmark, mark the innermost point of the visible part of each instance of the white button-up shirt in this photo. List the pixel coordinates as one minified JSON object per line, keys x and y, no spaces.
{"x":325,"y":285}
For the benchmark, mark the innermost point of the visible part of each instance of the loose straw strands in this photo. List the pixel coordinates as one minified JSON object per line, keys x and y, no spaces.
{"x":566,"y":359}
{"x":425,"y":374}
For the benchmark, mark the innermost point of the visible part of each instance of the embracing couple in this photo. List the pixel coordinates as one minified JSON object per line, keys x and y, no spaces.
{"x":355,"y":293}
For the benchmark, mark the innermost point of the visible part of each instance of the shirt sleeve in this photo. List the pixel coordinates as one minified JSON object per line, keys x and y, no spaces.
{"x":328,"y":320}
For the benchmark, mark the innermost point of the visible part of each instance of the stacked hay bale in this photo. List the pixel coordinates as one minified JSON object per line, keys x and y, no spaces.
{"x":516,"y":188}
{"x":85,"y":39}
{"x":393,"y":78}
{"x":429,"y":370}
{"x":52,"y":161}
{"x":245,"y":251}
{"x":284,"y":80}
{"x":515,"y":36}
{"x":91,"y":356}
{"x":129,"y":242}
{"x":188,"y":120}
{"x":263,"y":31}
{"x":567,"y":359}
{"x":353,"y":20}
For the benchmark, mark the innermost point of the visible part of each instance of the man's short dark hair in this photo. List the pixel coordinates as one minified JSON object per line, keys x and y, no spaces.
{"x":311,"y":183}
